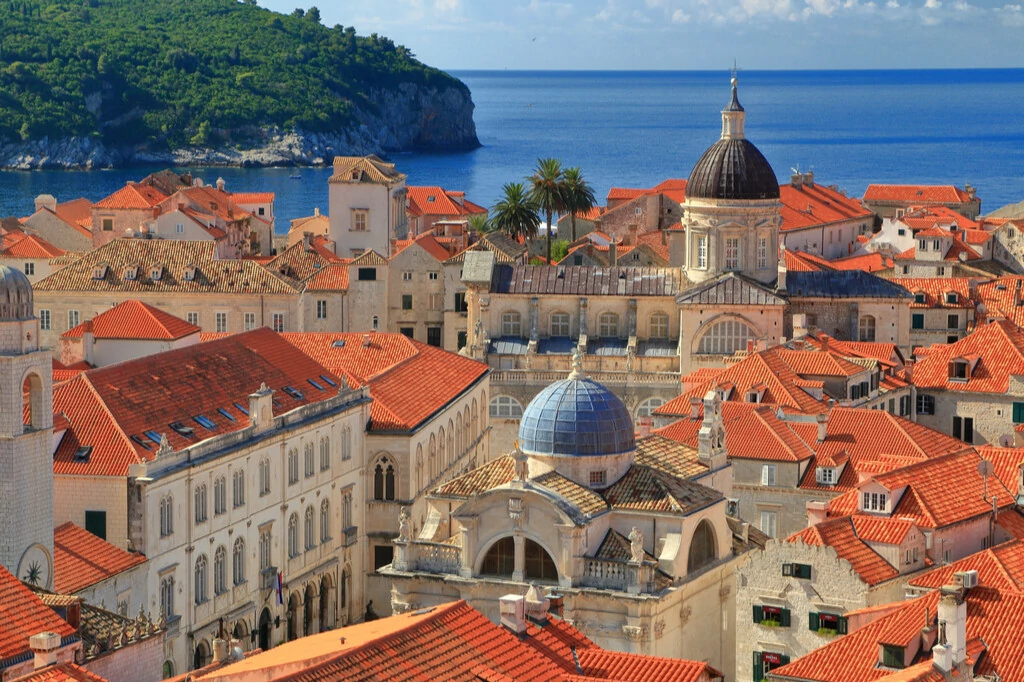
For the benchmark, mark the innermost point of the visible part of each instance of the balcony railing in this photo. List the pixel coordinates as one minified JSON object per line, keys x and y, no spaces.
{"x":618,"y":576}
{"x":430,"y":557}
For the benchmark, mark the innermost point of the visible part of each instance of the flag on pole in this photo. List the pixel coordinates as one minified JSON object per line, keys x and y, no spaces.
{"x":280,"y":589}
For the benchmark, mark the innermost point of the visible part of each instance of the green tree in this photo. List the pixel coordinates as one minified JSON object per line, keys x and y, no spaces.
{"x":559,"y":250}
{"x":480,"y":223}
{"x":202,"y":135}
{"x":516,"y":213}
{"x":579,"y":196}
{"x":547,"y":191}
{"x":313,"y":13}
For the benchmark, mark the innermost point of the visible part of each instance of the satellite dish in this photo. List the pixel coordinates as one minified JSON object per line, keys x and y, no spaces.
{"x":1006,"y":441}
{"x":985,"y":468}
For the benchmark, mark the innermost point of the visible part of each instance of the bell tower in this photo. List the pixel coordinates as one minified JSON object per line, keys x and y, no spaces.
{"x":26,"y":436}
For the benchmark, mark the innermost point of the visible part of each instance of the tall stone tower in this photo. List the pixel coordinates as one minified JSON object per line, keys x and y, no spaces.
{"x":26,"y":435}
{"x":732,"y":207}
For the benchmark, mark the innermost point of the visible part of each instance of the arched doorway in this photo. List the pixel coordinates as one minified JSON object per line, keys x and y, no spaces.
{"x":264,"y":629}
{"x":294,"y":605}
{"x":241,"y":632}
{"x":703,"y":546}
{"x":32,"y":391}
{"x":202,"y":655}
{"x":326,"y":603}
{"x":309,"y":612}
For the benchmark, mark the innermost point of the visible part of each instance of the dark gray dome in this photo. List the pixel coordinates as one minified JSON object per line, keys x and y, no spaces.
{"x":15,"y":295}
{"x":732,"y":168}
{"x":576,"y":417}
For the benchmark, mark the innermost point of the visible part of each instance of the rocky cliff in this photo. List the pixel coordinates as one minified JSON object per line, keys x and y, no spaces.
{"x":405,"y":118}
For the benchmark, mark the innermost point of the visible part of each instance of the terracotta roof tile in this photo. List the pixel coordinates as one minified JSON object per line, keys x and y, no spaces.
{"x":429,"y":243}
{"x":133,"y":319}
{"x":488,"y":476}
{"x":78,"y":214}
{"x":81,"y":559}
{"x":921,"y":194}
{"x":132,"y":196}
{"x":841,"y":535}
{"x":647,"y":489}
{"x":24,"y":615}
{"x":68,"y":671}
{"x":811,"y":205}
{"x":27,"y":245}
{"x":1000,"y":567}
{"x":252,"y":197}
{"x":1000,"y":347}
{"x":869,"y":263}
{"x":330,"y":278}
{"x":370,"y":169}
{"x":436,"y":201}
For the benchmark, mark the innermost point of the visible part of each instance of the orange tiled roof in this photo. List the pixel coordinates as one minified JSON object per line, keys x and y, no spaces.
{"x":394,"y":366}
{"x":81,"y":559}
{"x":827,"y":363}
{"x":841,"y":535}
{"x":27,"y":245}
{"x":813,"y":205}
{"x":799,"y":261}
{"x":1000,"y":347}
{"x":946,"y":194}
{"x":297,"y":263}
{"x":109,"y":405}
{"x":77,"y":213}
{"x":132,"y":196}
{"x":252,"y":197}
{"x":436,"y":201}
{"x":24,"y":615}
{"x":330,"y":278}
{"x":1000,"y":567}
{"x":935,"y":290}
{"x":869,"y":263}
{"x":132,"y":319}
{"x":1002,"y":297}
{"x":957,"y":247}
{"x":673,"y":188}
{"x":429,"y":242}
{"x":68,"y":671}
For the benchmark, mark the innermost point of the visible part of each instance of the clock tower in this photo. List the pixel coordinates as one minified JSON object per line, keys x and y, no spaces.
{"x":26,"y":436}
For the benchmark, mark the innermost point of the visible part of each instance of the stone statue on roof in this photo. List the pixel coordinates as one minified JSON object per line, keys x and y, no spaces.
{"x":636,"y":545}
{"x":403,"y":524}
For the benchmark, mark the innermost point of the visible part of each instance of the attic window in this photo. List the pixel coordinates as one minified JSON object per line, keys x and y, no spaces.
{"x":328,"y":380}
{"x":181,"y":429}
{"x":430,"y":198}
{"x":226,"y":414}
{"x":338,"y":343}
{"x":959,"y":369}
{"x":82,"y":453}
{"x":951,"y":298}
{"x":316,"y":384}
{"x":204,"y":421}
{"x":155,"y":273}
{"x":189,"y":274}
{"x":142,"y":441}
{"x":153,"y":436}
{"x":242,"y":409}
{"x":99,"y":272}
{"x":919,"y":298}
{"x":293,"y":392}
{"x":131,"y":273}
{"x":873,"y":502}
{"x":795,"y":569}
{"x":827,"y":476}
{"x":753,"y":397}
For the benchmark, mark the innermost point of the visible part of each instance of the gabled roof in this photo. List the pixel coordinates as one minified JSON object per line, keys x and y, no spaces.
{"x":428,"y":242}
{"x":212,"y":275}
{"x":999,"y":346}
{"x":924,"y":217}
{"x":435,"y":200}
{"x":869,"y":263}
{"x":815,"y":205}
{"x":1004,"y":298}
{"x":78,"y":214}
{"x":1000,"y":567}
{"x":368,"y":169}
{"x":27,"y":245}
{"x":133,"y":319}
{"x":132,"y":196}
{"x":298,"y":263}
{"x":330,"y":278}
{"x":729,"y":289}
{"x":841,"y":535}
{"x":68,"y":671}
{"x":845,"y":284}
{"x":81,"y":559}
{"x":935,"y":290}
{"x":252,"y":197}
{"x":916,"y":194}
{"x":395,"y":367}
{"x":500,"y":243}
{"x":799,"y":261}
{"x":369,"y":258}
{"x":108,"y":406}
{"x":24,"y":615}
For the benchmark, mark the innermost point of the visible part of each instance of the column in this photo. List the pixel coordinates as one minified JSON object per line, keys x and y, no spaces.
{"x":519,"y":570}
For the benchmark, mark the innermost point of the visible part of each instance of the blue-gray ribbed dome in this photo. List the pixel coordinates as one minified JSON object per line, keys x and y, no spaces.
{"x":15,"y":295}
{"x":576,"y":416}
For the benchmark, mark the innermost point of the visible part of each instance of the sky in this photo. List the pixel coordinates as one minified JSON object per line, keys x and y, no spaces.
{"x":690,"y":34}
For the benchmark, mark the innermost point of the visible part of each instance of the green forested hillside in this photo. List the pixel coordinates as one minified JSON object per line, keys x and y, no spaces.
{"x":177,"y":72}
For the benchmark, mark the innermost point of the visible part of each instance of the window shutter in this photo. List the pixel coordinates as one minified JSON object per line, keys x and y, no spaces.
{"x":1018,"y":413}
{"x":758,"y":667}
{"x":758,"y":614}
{"x":813,"y":623}
{"x":785,"y":620}
{"x":787,"y":569}
{"x":844,"y":626}
{"x":956,"y":427}
{"x":784,"y":660}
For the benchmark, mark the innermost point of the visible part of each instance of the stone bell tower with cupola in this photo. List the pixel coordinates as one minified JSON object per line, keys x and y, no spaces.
{"x":26,"y":435}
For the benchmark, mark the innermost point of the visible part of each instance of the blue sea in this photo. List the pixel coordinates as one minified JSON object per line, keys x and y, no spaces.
{"x":634,"y":129}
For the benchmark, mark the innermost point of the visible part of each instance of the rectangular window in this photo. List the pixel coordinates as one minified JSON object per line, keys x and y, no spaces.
{"x":432,"y":276}
{"x":179,"y":228}
{"x":434,"y":336}
{"x":382,"y":556}
{"x":222,"y":321}
{"x":460,"y":302}
{"x":407,"y":331}
{"x":250,"y":322}
{"x":953,"y":321}
{"x":762,"y":252}
{"x":108,"y":224}
{"x":597,"y":478}
{"x":367,"y":274}
{"x":702,"y":252}
{"x":935,"y":245}
{"x":917,"y":321}
{"x":360,"y":219}
{"x":72,"y":319}
{"x":96,"y":523}
{"x":407,"y":302}
{"x":278,"y":325}
{"x":44,"y":319}
{"x":30,"y":269}
{"x":321,"y":309}
{"x":922,"y":245}
{"x":732,"y":253}
{"x":193,"y":318}
{"x":925,"y":404}
{"x":963,"y":428}
{"x":892,"y":656}
{"x":1018,"y":413}
{"x":407,"y":276}
{"x":769,"y":523}
{"x":823,"y":622}
{"x":768,"y":475}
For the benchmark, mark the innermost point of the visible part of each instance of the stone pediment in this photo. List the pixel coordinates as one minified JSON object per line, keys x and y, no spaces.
{"x":731,"y":289}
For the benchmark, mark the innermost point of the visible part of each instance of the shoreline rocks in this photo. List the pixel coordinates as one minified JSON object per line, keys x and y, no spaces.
{"x":405,"y":118}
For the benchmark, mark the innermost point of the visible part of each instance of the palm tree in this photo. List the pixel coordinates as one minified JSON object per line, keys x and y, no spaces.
{"x":516,"y":213}
{"x":480,"y":223}
{"x":548,"y":191}
{"x":579,"y":196}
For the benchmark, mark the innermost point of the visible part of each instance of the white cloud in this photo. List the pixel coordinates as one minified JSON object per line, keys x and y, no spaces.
{"x":1012,"y":15}
{"x":680,"y":17}
{"x":893,"y":4}
{"x":932,"y":4}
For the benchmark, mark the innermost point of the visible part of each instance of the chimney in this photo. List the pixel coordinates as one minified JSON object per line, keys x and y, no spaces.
{"x":822,"y":420}
{"x":44,"y":646}
{"x":513,"y":613}
{"x":695,"y":404}
{"x":261,"y":408}
{"x":88,"y":343}
{"x":366,"y":341}
{"x":613,"y":256}
{"x":799,"y":324}
{"x":817,"y":512}
{"x":316,"y":211}
{"x":556,"y":604}
{"x":307,"y":240}
{"x":46,"y":201}
{"x":971,"y":191}
{"x":908,"y":369}
{"x":220,"y":650}
{"x":796,"y":180}
{"x":953,"y":617}
{"x":537,"y":606}
{"x":809,"y":179}
{"x":824,"y":342}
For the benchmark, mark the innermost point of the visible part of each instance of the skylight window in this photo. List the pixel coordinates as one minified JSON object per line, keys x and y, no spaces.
{"x":293,"y":392}
{"x":153,"y":436}
{"x":82,"y":453}
{"x":142,"y":441}
{"x":315,"y":384}
{"x":328,"y":380}
{"x":338,"y":343}
{"x":226,"y":414}
{"x":205,"y":421}
{"x":241,"y":408}
{"x":182,"y":429}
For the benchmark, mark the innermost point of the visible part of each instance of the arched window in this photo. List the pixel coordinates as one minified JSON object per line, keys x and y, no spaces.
{"x":202,"y":655}
{"x":200,"y":503}
{"x":434,"y":465}
{"x":608,"y":325}
{"x":442,"y":463}
{"x":168,"y":669}
{"x":265,"y":551}
{"x":220,"y":583}
{"x":293,"y":535}
{"x":167,"y":596}
{"x":466,"y":436}
{"x":325,"y":454}
{"x":344,"y":588}
{"x":238,"y":483}
{"x":538,"y":564}
{"x":220,"y":496}
{"x":346,"y":511}
{"x":264,"y":476}
{"x":702,"y":546}
{"x":202,"y":577}
{"x":648,"y":407}
{"x":473,"y":433}
{"x":659,"y":326}
{"x":325,"y":521}
{"x":866,"y":331}
{"x":389,"y":483}
{"x":500,"y":559}
{"x":238,"y":562}
{"x":310,"y":459}
{"x":726,"y":338}
{"x":166,"y":515}
{"x":453,"y":455}
{"x":293,"y":465}
{"x":419,"y":467}
{"x":384,"y":480}
{"x":511,"y":324}
{"x":310,"y":528}
{"x":458,"y":433}
{"x":560,"y":324}
{"x":506,"y":407}
{"x":32,"y":390}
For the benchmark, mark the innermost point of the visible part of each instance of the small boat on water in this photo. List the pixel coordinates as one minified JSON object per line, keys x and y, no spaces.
{"x":295,"y":176}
